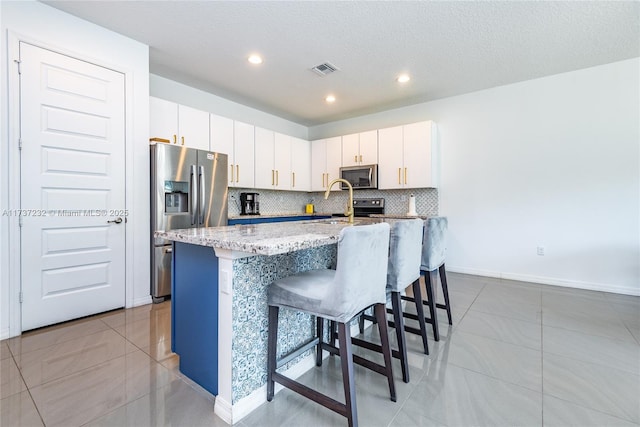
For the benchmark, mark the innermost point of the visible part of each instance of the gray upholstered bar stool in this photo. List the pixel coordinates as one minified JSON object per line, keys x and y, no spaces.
{"x":434,"y":249}
{"x":338,"y":295}
{"x":405,"y":254}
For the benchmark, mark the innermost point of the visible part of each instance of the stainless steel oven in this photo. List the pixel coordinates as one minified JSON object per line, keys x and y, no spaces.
{"x":366,"y":207}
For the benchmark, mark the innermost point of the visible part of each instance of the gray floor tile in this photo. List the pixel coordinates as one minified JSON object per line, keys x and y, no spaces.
{"x":560,"y":413}
{"x":10,"y":379}
{"x":460,"y":397}
{"x":508,"y":305}
{"x":601,"y":388}
{"x":623,"y":355}
{"x":19,"y":410}
{"x":497,"y":359}
{"x":4,"y":350}
{"x":513,"y":331}
{"x":175,"y":404}
{"x":588,"y":324}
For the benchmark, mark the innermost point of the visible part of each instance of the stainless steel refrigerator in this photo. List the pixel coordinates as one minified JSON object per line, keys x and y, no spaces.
{"x":188,"y":190}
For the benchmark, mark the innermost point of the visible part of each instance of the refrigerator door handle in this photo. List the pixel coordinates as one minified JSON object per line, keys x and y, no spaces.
{"x":201,"y":195}
{"x":193,"y":196}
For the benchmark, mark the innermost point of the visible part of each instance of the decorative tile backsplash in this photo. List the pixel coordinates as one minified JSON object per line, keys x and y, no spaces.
{"x":277,"y":202}
{"x":251,"y":279}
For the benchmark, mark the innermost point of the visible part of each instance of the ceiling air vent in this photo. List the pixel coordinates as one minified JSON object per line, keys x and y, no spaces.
{"x":324,"y":69}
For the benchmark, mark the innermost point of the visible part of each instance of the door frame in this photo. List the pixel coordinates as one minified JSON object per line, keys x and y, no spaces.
{"x":13,"y":185}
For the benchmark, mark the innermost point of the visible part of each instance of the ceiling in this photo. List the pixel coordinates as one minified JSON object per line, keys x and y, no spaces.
{"x":448,"y":47}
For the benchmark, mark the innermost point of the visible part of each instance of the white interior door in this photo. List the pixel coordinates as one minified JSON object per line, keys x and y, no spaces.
{"x":72,"y":130}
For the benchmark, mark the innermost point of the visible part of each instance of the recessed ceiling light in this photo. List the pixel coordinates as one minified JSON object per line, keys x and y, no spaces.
{"x":330,"y":99}
{"x":255,"y":59}
{"x":403,"y":78}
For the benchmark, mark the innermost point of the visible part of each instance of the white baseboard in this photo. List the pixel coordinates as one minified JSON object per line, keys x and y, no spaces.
{"x":577,"y":284}
{"x":4,"y":333}
{"x":141,"y":301}
{"x":234,"y":413}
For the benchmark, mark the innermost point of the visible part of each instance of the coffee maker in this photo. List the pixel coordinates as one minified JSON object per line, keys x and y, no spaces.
{"x":249,"y":204}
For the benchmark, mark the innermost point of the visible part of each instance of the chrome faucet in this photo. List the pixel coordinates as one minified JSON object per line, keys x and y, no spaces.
{"x":349,"y":209}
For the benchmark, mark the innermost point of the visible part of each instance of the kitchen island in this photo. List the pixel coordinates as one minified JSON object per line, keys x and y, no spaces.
{"x":219,"y":303}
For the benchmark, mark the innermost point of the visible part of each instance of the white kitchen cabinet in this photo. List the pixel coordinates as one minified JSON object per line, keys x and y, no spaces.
{"x":300,"y":164}
{"x":360,"y":148}
{"x":242,"y":167}
{"x":326,"y":160}
{"x":273,"y":160}
{"x":178,"y":124}
{"x":221,"y":135}
{"x":282,"y":161}
{"x":408,"y":156}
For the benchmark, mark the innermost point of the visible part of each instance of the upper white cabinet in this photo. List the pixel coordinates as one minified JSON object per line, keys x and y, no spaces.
{"x":360,"y":148}
{"x":178,"y":124}
{"x":282,"y":161}
{"x":242,"y":167}
{"x":326,"y":160}
{"x":273,"y":160}
{"x":408,"y":156}
{"x":300,"y":164}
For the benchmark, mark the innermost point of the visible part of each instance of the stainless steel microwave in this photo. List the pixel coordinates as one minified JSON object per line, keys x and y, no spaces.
{"x":360,"y":177}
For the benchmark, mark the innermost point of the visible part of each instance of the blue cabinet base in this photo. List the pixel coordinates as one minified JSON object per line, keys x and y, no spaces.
{"x":194,"y":313}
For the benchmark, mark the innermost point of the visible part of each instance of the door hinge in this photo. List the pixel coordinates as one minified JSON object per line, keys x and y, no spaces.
{"x":20,"y":221}
{"x":20,"y":297}
{"x":17,"y":61}
{"x":20,"y":144}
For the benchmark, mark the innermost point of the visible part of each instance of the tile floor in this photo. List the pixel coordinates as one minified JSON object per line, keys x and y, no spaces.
{"x":518,"y":354}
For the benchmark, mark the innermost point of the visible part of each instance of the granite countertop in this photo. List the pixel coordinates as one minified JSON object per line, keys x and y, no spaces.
{"x":269,"y":238}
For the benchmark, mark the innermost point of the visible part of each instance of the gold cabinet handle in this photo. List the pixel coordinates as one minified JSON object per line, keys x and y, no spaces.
{"x":323,"y":180}
{"x":294,"y":179}
{"x":399,"y":182}
{"x":231,"y":166}
{"x":355,"y":158}
{"x":237,"y":173}
{"x":272,"y":179}
{"x":277,"y":179}
{"x":360,"y":158}
{"x":175,"y":138}
{"x":182,"y":138}
{"x":164,"y":141}
{"x":405,"y":176}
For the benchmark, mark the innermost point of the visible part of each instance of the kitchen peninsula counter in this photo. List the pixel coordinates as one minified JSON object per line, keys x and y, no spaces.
{"x":220,"y":279}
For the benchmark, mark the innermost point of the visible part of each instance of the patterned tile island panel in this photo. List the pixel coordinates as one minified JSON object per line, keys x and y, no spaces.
{"x":251,"y":279}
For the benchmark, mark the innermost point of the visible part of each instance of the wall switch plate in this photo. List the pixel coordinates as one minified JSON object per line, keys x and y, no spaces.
{"x":225,"y":285}
{"x":540,"y":250}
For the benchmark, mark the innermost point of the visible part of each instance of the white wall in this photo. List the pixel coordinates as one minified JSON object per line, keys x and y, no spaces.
{"x":551,"y":162}
{"x":48,"y":27}
{"x":177,"y":92}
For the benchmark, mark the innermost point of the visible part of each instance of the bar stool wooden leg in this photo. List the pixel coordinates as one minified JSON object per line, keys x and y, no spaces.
{"x":381,"y":318}
{"x":396,"y":303}
{"x":429,"y":279}
{"x":320,"y":335}
{"x":346,"y":359}
{"x":417,"y":299}
{"x":271,"y":350}
{"x":445,"y":292}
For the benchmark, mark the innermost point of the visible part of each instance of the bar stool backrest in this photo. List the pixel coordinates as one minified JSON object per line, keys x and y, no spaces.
{"x":361,"y":270}
{"x":405,"y":254}
{"x":434,"y":244}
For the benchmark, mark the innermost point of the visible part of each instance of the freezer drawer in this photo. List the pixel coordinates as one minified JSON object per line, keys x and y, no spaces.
{"x":161,"y":272}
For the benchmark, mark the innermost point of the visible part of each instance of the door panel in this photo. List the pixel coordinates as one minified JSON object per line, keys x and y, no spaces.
{"x":72,"y":177}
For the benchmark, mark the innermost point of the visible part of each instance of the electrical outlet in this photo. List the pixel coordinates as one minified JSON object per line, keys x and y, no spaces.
{"x":540,"y":250}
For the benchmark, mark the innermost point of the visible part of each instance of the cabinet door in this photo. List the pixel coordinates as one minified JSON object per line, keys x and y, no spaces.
{"x":264,"y":155}
{"x":163,"y":119}
{"x":334,"y":160}
{"x":417,"y":156}
{"x":300,"y":164}
{"x":390,"y":166}
{"x":243,"y":150}
{"x":319,"y":165}
{"x":282,"y":161}
{"x":368,"y":148}
{"x":221,"y":136}
{"x":351,"y":150}
{"x":193,"y":127}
